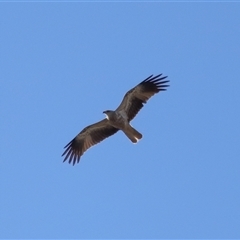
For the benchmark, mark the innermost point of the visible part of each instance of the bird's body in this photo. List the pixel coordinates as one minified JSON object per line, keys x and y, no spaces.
{"x":116,"y":120}
{"x":119,"y":120}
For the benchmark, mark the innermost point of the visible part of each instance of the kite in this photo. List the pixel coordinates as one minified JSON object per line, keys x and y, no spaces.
{"x":116,"y":120}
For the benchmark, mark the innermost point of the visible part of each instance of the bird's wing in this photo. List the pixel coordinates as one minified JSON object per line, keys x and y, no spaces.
{"x":88,"y":137}
{"x":135,"y":98}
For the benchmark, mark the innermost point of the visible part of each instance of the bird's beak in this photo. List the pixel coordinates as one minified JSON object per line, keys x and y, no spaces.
{"x":104,"y":112}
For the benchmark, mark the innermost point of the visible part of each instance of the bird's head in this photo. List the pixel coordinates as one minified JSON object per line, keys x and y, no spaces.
{"x":107,"y":113}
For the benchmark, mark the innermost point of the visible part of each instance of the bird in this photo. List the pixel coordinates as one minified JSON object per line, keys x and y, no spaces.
{"x":116,"y":120}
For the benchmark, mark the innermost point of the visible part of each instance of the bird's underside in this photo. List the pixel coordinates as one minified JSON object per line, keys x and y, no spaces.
{"x":116,"y":120}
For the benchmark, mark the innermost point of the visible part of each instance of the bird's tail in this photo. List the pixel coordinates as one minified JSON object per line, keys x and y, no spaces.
{"x":132,"y":134}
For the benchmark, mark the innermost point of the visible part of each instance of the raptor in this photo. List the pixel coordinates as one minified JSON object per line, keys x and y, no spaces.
{"x":116,"y":120}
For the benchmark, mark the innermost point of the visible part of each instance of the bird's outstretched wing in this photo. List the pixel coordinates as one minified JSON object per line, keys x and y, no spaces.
{"x":135,"y":98}
{"x":88,"y":137}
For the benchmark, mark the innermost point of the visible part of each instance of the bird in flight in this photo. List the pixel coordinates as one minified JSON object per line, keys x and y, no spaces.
{"x":116,"y":120}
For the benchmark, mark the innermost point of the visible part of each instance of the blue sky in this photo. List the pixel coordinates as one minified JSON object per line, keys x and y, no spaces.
{"x":63,"y":64}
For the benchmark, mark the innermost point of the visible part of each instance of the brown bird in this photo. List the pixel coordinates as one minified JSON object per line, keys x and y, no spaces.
{"x":116,"y":120}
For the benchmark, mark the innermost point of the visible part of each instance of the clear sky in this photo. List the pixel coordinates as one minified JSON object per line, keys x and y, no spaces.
{"x":63,"y":64}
